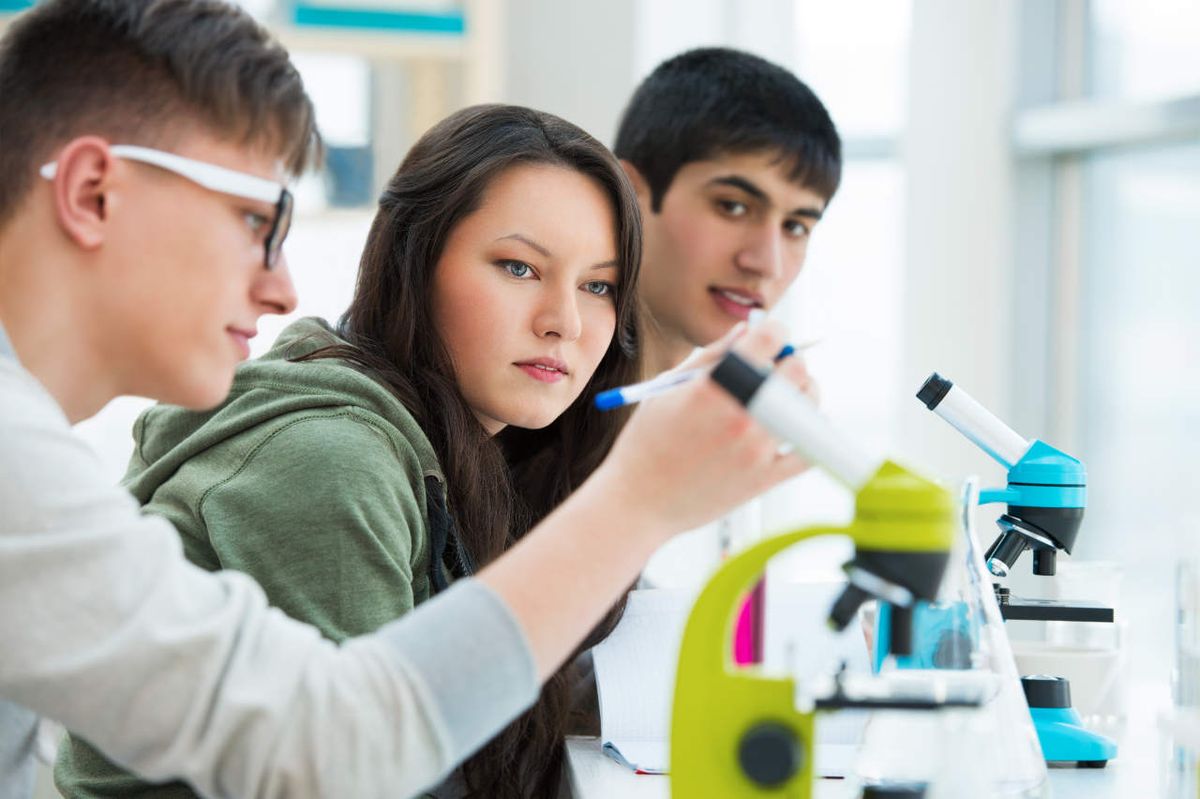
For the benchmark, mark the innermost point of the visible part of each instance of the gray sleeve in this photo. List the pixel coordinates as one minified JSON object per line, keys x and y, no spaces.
{"x":177,"y":672}
{"x":471,"y":658}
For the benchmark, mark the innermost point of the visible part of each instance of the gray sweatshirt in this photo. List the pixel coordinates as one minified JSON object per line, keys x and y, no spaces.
{"x":176,"y":672}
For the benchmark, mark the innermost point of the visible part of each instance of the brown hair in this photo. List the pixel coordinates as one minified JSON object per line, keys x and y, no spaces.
{"x":497,"y":488}
{"x":141,"y":72}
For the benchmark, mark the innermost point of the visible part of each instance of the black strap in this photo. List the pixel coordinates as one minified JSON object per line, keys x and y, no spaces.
{"x":442,"y":532}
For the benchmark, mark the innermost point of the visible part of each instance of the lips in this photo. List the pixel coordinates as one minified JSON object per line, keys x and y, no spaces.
{"x":546,"y":370}
{"x":241,"y":337}
{"x":737,"y":303}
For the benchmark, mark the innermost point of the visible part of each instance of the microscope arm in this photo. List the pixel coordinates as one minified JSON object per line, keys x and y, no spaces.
{"x":989,"y":496}
{"x":713,"y":698}
{"x":710,"y":625}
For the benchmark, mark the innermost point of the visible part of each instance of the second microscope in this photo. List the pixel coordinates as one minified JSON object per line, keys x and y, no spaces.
{"x":1046,"y":494}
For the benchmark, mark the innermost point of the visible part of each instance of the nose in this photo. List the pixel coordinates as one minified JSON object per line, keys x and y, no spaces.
{"x":557,"y":315}
{"x":273,"y":292}
{"x":762,"y":252}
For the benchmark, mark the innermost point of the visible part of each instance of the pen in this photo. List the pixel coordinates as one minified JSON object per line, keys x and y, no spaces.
{"x":636,"y":392}
{"x":628,"y":395}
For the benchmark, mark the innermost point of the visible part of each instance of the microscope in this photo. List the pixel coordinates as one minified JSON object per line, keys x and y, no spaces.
{"x":1046,"y":495}
{"x":738,"y":731}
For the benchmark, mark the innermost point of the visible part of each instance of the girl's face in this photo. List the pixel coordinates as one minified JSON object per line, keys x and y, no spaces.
{"x":524,"y":294}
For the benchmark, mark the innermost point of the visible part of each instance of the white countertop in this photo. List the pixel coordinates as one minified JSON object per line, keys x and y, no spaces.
{"x":1134,"y":774}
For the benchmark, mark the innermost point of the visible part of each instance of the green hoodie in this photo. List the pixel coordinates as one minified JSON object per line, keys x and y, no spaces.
{"x":313,"y":479}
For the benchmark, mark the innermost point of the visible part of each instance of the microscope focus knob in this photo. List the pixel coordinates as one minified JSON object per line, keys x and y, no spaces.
{"x":769,"y":754}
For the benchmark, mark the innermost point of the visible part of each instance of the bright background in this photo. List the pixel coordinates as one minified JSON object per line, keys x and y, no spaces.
{"x":1020,"y":212}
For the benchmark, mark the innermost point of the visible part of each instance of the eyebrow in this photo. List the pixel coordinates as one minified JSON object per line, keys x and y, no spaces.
{"x":739,"y":182}
{"x":609,"y":264}
{"x":528,"y":241}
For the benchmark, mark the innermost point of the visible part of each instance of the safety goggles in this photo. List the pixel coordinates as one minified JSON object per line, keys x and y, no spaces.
{"x":219,"y":179}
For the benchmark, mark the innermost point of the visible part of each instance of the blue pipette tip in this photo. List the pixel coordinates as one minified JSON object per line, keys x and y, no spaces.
{"x":787,"y":350}
{"x":607,"y":400}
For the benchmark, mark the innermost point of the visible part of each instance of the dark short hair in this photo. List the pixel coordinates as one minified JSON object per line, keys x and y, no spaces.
{"x":141,"y":72}
{"x":716,"y":101}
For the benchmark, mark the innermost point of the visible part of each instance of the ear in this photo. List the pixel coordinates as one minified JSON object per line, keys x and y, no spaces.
{"x":640,"y":186}
{"x":83,"y":175}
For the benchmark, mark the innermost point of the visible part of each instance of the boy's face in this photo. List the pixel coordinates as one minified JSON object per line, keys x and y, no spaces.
{"x":730,"y":236}
{"x":181,"y":281}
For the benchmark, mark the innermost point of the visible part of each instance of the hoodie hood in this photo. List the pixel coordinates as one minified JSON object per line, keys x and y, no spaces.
{"x":265,"y":389}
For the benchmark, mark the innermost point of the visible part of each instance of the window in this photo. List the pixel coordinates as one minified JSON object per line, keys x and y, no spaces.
{"x":848,"y":296}
{"x":1144,"y":51}
{"x":1126,"y":231}
{"x":1139,"y":397}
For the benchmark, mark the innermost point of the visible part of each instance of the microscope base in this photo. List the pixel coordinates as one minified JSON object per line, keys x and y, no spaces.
{"x":1064,"y":739}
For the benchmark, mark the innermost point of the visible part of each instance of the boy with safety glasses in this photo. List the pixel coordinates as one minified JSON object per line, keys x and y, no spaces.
{"x":146,"y":149}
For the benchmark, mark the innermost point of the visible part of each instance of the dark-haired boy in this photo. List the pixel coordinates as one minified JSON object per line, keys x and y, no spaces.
{"x":734,"y":160}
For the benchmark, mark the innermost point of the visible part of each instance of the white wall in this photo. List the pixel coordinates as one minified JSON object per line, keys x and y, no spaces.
{"x":582,"y":60}
{"x":572,"y":59}
{"x":958,"y":275}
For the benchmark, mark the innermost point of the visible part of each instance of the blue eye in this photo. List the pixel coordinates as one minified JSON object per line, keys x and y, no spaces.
{"x":515,"y":268}
{"x":600,"y":288}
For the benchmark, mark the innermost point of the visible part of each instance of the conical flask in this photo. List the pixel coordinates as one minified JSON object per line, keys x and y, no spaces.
{"x":960,"y":642}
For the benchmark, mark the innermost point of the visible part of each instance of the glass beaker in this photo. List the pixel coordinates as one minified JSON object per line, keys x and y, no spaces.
{"x":992,"y":750}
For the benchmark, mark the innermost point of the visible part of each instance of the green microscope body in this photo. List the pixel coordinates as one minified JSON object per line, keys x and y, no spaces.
{"x":736,"y":731}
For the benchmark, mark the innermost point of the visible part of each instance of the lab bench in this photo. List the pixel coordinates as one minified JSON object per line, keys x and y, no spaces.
{"x":1134,"y":774}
